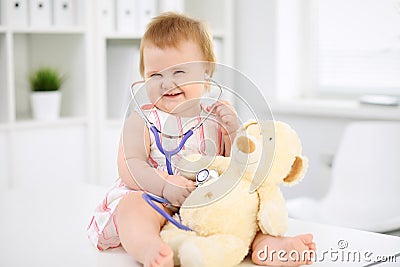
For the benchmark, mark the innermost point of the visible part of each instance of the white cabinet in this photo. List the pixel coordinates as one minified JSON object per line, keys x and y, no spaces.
{"x":4,"y":158}
{"x":4,"y":88}
{"x":85,"y":42}
{"x":44,"y":156}
{"x":122,"y":61}
{"x":29,"y":147}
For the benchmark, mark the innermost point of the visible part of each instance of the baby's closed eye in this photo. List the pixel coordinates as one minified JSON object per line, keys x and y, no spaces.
{"x":155,"y":75}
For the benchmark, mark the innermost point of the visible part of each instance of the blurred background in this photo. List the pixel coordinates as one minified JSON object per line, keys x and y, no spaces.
{"x":321,"y":64}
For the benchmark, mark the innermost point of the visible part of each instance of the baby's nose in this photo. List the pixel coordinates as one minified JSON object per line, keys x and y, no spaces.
{"x":168,"y":83}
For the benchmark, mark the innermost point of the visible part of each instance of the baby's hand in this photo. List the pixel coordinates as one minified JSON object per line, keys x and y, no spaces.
{"x":227,"y":116}
{"x":177,"y":189}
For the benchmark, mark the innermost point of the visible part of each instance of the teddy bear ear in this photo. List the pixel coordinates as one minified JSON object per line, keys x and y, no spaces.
{"x":298,"y":170}
{"x":248,"y":123}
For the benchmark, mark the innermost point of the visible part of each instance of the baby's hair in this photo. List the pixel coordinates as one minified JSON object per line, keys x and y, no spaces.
{"x":169,"y":29}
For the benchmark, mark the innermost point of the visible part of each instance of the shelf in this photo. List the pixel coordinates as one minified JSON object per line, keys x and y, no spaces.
{"x":218,"y":34}
{"x":55,"y":30}
{"x":335,"y":108}
{"x":62,"y":122}
{"x":123,"y":36}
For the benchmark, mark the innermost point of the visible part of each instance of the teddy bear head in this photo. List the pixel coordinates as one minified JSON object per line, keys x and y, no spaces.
{"x":272,"y":151}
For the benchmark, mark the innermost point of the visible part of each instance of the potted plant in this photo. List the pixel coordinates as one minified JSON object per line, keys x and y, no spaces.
{"x":45,"y":84}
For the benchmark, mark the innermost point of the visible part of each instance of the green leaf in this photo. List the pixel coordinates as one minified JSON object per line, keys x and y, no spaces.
{"x":46,"y":79}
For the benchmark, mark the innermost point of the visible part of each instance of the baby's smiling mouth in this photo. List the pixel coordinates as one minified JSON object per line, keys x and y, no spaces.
{"x":172,"y":94}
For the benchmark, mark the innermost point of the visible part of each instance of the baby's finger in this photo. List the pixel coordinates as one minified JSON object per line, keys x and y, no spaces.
{"x":220,"y":110}
{"x":186,"y":193}
{"x":213,"y":108}
{"x":225,"y":112}
{"x":218,"y":104}
{"x":191,"y":186}
{"x":228,"y":119}
{"x":178,"y":202}
{"x":224,"y":102}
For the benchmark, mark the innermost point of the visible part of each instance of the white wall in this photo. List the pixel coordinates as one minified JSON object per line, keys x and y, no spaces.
{"x":255,"y":42}
{"x":256,"y":53}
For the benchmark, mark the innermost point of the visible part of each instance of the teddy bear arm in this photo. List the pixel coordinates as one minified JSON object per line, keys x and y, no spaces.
{"x":272,"y":215}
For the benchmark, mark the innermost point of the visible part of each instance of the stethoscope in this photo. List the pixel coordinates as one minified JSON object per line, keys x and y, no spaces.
{"x":201,"y":177}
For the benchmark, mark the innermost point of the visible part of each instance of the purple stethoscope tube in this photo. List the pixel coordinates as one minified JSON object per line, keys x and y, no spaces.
{"x":150,"y":198}
{"x":166,"y":153}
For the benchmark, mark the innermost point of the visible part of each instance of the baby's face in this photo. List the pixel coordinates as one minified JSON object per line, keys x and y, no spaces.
{"x":165,"y":72}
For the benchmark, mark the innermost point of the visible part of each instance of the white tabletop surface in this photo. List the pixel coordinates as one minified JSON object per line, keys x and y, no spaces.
{"x":47,"y":228}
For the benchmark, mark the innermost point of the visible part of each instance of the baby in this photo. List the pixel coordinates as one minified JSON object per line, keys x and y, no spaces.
{"x":124,"y":218}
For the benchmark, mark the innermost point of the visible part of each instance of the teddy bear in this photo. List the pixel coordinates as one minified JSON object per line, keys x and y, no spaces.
{"x":225,"y":213}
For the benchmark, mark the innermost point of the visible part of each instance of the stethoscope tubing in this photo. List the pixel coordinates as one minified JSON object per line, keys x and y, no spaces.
{"x":149,"y":198}
{"x":170,"y":153}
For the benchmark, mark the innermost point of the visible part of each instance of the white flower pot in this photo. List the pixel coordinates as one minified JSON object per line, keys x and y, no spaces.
{"x":46,"y":105}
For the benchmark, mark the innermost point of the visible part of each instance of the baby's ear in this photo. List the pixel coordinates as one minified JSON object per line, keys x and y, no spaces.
{"x":297,"y":172}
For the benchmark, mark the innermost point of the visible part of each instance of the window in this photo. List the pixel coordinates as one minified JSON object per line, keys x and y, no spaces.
{"x":355,"y":47}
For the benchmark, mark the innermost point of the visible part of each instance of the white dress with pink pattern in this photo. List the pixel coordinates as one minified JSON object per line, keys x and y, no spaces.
{"x":103,"y":229}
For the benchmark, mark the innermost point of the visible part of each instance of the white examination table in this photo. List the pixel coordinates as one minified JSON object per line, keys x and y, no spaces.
{"x":47,"y":228}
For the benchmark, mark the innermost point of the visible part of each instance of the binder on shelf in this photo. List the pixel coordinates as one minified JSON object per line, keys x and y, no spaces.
{"x":147,"y":10}
{"x":40,"y":13}
{"x":18,"y":16}
{"x":64,"y":12}
{"x":108,"y":15}
{"x":127,"y":14}
{"x":172,"y":5}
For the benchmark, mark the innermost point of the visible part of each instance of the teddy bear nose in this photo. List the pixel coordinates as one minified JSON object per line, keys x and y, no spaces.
{"x":245,"y":145}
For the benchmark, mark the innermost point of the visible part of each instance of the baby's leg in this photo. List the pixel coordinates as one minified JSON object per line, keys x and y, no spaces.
{"x":139,"y":228}
{"x":266,"y":250}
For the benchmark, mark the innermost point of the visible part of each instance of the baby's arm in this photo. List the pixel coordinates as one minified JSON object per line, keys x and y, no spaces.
{"x":227,"y":117}
{"x":136,"y":173}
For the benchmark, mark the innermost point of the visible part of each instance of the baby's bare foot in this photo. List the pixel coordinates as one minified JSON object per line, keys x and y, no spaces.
{"x":160,"y":256}
{"x":283,"y":251}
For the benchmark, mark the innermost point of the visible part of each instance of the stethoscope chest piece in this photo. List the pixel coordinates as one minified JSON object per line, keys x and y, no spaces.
{"x":204,"y":175}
